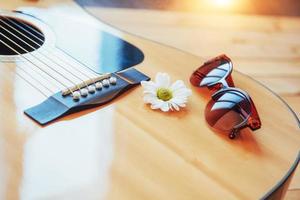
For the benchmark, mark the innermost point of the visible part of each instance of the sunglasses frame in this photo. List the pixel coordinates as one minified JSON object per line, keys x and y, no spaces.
{"x":226,"y":84}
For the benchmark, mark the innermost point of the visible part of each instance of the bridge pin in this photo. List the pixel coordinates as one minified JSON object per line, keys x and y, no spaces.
{"x":91,"y":89}
{"x":105,"y":83}
{"x":98,"y":85}
{"x":113,"y":80}
{"x":76,"y":96}
{"x":84,"y":92}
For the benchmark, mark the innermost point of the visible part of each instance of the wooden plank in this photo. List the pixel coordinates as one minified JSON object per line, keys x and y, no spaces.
{"x":268,"y":67}
{"x":206,"y":36}
{"x":169,"y":18}
{"x":266,"y":48}
{"x":281,"y":85}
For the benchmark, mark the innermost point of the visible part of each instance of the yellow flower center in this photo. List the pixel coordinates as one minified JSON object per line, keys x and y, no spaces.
{"x":164,"y":94}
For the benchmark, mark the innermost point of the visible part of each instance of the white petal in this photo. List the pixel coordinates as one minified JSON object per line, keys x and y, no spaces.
{"x":157,"y":104}
{"x":162,"y":80}
{"x":170,"y":106}
{"x":149,"y":98}
{"x":165,"y":106}
{"x":177,"y":85}
{"x":152,"y":92}
{"x":149,"y":85}
{"x":183,"y":92}
{"x":175,"y":106}
{"x":146,"y":83}
{"x":180,"y":104}
{"x":179,"y":101}
{"x":179,"y":90}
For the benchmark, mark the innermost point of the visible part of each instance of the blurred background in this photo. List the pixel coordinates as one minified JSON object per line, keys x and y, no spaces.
{"x":262,"y":7}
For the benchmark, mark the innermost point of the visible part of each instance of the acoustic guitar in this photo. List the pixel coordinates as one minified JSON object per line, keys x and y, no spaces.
{"x":73,"y":124}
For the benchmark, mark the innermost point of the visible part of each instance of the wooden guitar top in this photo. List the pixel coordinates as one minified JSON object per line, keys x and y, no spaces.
{"x":125,"y":150}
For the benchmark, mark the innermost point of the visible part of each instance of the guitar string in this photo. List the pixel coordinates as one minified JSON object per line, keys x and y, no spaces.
{"x":84,"y":73}
{"x":34,"y":86}
{"x":43,"y":63}
{"x":85,"y":69}
{"x":45,"y":77}
{"x":34,"y":78}
{"x":31,"y":76}
{"x":29,"y":27}
{"x":29,"y":68}
{"x":32,"y":41}
{"x":39,"y":45}
{"x":37,"y":58}
{"x":24,"y":57}
{"x":44,"y":55}
{"x":42,"y":75}
{"x":40,"y":72}
{"x":80,"y":63}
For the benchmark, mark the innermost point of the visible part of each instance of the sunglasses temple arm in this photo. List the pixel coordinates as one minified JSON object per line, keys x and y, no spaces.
{"x":254,"y":120}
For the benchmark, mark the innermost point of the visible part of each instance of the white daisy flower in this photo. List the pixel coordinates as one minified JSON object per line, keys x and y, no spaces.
{"x":161,"y":95}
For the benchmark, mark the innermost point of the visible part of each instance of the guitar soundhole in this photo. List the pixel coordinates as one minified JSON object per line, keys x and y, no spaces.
{"x":18,"y":36}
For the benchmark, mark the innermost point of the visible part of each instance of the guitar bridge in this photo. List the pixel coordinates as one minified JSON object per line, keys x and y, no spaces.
{"x":63,"y":103}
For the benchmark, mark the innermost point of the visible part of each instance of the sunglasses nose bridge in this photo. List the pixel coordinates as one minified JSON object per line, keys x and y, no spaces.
{"x":221,"y":89}
{"x":224,"y":83}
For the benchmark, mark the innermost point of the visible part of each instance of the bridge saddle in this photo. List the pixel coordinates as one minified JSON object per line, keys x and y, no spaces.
{"x":89,"y":86}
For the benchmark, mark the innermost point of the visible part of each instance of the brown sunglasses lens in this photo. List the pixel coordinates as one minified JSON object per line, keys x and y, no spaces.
{"x":211,"y":72}
{"x":227,"y":111}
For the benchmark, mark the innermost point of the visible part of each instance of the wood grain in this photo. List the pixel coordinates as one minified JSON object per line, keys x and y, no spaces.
{"x":265,"y":47}
{"x":125,"y":150}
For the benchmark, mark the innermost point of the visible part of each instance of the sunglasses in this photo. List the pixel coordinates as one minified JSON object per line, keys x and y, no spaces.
{"x":230,"y":109}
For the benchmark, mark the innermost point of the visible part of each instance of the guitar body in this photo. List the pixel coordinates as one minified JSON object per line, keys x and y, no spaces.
{"x":123,"y":149}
